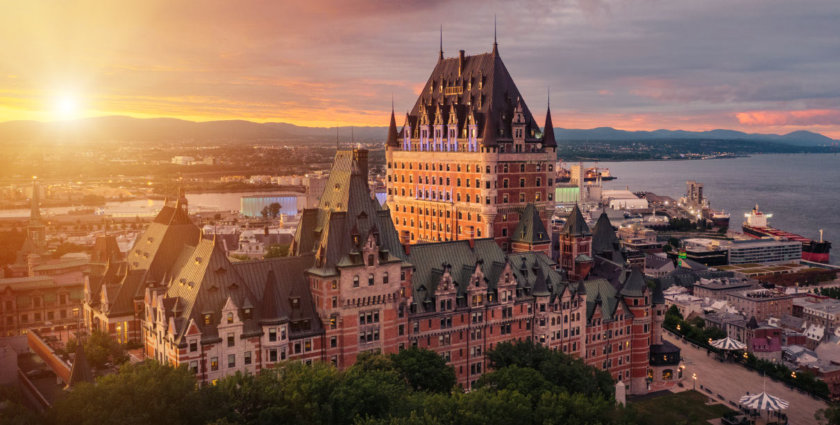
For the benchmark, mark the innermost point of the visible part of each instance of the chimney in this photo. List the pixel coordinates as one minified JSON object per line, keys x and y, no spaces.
{"x":362,"y":158}
{"x":472,"y":243}
{"x":460,"y":62}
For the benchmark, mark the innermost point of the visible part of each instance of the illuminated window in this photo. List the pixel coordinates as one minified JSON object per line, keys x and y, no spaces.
{"x":214,"y":363}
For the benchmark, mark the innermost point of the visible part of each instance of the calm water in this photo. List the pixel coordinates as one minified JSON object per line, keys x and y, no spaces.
{"x":801,"y":190}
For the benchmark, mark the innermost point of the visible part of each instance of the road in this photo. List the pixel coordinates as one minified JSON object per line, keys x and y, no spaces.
{"x":733,"y":381}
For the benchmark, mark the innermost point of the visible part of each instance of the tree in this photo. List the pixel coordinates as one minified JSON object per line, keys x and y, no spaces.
{"x":141,"y":393}
{"x":566,"y":372}
{"x":829,"y":416}
{"x":274,"y":209}
{"x":276,"y":250}
{"x":424,"y":370}
{"x":100,"y":348}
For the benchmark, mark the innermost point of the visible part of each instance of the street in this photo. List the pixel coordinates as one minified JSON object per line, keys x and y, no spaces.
{"x":732,"y":381}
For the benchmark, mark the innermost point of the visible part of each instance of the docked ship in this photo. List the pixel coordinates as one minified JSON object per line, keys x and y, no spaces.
{"x":758,"y":227}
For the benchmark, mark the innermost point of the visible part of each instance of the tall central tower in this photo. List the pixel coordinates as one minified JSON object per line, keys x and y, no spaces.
{"x":470,"y":156}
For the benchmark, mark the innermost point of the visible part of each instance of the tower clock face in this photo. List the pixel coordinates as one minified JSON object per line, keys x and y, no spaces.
{"x":539,"y":145}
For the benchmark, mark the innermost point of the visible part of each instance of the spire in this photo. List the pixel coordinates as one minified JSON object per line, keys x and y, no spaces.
{"x":548,"y":131}
{"x":392,"y":128}
{"x":80,"y":371}
{"x":441,"y":43}
{"x":495,"y":40}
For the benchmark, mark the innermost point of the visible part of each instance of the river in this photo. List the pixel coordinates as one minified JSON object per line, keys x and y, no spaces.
{"x":802,"y":191}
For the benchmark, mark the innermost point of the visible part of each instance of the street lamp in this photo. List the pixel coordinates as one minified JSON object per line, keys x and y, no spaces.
{"x":694,"y":377}
{"x":793,"y":374}
{"x":119,"y":334}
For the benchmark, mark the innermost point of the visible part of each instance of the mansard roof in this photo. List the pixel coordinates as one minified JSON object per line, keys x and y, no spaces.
{"x":483,"y":84}
{"x":530,"y":229}
{"x":576,"y":224}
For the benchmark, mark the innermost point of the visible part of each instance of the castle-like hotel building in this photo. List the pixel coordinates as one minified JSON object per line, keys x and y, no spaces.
{"x":457,"y":262}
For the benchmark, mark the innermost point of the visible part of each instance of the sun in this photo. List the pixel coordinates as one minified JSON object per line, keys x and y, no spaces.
{"x":66,"y":107}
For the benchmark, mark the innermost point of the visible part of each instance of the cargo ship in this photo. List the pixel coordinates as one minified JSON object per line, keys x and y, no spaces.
{"x":757,"y":226}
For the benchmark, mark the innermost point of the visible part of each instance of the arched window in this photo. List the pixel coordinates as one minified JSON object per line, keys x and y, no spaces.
{"x":385,"y":277}
{"x":230,"y":317}
{"x":370,"y":279}
{"x":356,"y":281}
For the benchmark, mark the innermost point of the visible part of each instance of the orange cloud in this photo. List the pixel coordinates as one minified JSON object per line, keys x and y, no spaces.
{"x":782,"y":118}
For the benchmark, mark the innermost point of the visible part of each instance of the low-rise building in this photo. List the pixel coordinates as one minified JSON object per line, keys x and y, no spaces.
{"x":761,"y":303}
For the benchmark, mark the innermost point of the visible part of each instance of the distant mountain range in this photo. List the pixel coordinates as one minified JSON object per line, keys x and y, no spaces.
{"x":127,"y":129}
{"x":796,"y":138}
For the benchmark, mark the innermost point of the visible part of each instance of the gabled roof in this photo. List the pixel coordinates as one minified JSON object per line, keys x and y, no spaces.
{"x":530,"y":229}
{"x":576,"y":224}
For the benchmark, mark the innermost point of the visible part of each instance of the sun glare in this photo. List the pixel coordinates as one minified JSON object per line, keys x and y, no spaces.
{"x":65,"y":107}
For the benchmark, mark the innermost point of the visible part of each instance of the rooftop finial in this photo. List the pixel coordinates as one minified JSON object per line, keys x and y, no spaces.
{"x":495,"y":40}
{"x":441,"y":43}
{"x":549,"y":97}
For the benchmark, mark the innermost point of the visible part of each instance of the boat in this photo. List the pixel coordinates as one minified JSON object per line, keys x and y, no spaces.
{"x":757,"y":226}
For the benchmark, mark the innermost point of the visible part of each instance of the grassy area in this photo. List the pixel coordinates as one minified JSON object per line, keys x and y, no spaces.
{"x":688,"y":407}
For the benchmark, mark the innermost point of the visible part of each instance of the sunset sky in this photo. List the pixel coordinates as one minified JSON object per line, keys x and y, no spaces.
{"x":763,"y":66}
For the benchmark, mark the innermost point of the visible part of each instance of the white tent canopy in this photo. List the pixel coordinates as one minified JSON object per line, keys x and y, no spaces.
{"x":729,"y":344}
{"x":763,"y":401}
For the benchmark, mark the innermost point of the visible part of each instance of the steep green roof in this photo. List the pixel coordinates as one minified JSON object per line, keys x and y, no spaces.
{"x":576,"y":224}
{"x":600,"y":294}
{"x":345,"y":217}
{"x":530,"y":229}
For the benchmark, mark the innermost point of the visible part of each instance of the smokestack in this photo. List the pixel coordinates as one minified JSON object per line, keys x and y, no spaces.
{"x":460,"y":62}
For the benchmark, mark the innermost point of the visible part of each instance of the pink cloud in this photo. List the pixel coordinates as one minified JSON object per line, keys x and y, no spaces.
{"x":781,"y":118}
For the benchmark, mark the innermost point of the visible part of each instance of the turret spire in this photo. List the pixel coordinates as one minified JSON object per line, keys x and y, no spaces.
{"x":392,"y":128}
{"x":495,"y":40}
{"x":441,"y":43}
{"x":548,"y":130}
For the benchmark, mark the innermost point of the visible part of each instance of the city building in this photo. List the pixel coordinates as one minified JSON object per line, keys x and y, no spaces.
{"x":761,"y":303}
{"x":763,"y":251}
{"x":470,"y":156}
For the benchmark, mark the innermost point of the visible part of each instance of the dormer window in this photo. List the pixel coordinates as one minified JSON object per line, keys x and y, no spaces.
{"x":246,"y":313}
{"x":295,"y":303}
{"x":208,"y":318}
{"x":230,"y":318}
